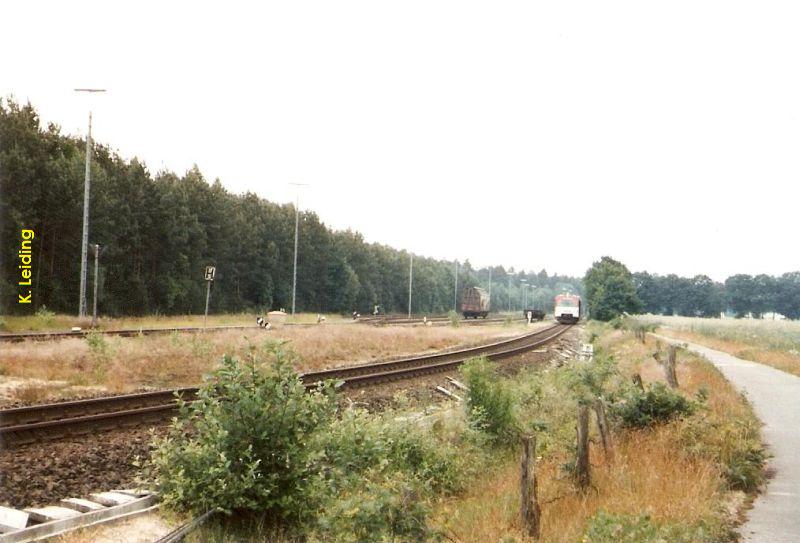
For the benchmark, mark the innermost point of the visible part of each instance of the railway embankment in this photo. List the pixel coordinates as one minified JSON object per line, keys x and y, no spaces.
{"x":775,"y":516}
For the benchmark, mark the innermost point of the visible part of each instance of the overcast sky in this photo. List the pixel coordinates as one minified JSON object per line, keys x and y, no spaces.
{"x":532,"y":134}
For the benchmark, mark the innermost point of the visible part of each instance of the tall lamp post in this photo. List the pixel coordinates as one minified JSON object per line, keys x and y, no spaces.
{"x":410,"y":277}
{"x":455,"y":289}
{"x":296,"y":232}
{"x":87,"y":181}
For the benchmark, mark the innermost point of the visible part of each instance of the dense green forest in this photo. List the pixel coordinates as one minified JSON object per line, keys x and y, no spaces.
{"x":701,"y":296}
{"x":158,"y":232}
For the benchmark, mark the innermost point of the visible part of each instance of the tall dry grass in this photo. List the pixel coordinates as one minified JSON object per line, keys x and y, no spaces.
{"x":121,"y":364}
{"x":50,"y":322}
{"x":647,"y":475}
{"x":775,"y":343}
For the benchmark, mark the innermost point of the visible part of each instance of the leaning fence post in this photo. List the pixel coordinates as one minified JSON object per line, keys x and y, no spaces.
{"x":602,"y":426}
{"x":529,"y":506}
{"x":582,"y":476}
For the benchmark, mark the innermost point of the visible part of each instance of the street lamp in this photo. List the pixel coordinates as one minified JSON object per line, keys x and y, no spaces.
{"x":87,"y":181}
{"x":296,"y":231}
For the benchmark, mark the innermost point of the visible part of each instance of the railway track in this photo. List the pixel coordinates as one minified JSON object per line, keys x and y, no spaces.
{"x":134,"y":332}
{"x":37,"y":423}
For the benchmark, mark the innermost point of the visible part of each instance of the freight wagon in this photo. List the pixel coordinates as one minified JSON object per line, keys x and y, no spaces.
{"x":474,"y":303}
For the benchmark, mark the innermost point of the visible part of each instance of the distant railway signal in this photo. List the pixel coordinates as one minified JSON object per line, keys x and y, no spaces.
{"x":209,"y":276}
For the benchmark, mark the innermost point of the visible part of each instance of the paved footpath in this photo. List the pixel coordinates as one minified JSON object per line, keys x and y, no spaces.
{"x":775,"y":397}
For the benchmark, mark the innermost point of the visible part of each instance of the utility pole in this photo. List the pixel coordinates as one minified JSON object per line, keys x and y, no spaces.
{"x":509,"y":294}
{"x":410,"y":277}
{"x":455,"y":290}
{"x":96,"y":268}
{"x":524,"y":283}
{"x":296,"y":232}
{"x":490,"y":284}
{"x":87,"y":181}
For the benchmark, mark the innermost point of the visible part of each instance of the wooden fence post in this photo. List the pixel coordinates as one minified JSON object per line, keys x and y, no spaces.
{"x":669,"y":367}
{"x":668,"y":364}
{"x":529,"y":506}
{"x":602,"y":426}
{"x":582,"y":475}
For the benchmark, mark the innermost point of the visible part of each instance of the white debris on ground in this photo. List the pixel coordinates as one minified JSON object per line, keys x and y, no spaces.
{"x":144,"y":528}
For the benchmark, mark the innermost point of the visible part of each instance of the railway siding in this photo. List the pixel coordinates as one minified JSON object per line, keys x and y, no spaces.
{"x":54,"y":421}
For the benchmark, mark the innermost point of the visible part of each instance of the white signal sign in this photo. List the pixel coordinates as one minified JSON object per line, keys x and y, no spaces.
{"x":210,"y":271}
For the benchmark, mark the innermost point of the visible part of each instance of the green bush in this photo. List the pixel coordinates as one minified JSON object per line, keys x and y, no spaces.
{"x":257,"y":443}
{"x":44,"y":317}
{"x":245,"y":443}
{"x":390,"y":509}
{"x":735,"y":446}
{"x":608,"y":528}
{"x":490,"y":401}
{"x":455,"y":318}
{"x":658,"y":404}
{"x":588,"y":380}
{"x":359,"y":441}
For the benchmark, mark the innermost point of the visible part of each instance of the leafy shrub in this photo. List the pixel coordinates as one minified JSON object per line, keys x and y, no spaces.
{"x":735,"y":445}
{"x":99,"y":353}
{"x":608,"y":528}
{"x":588,"y":380}
{"x":390,"y":509}
{"x":455,"y":319}
{"x":44,"y":317}
{"x":257,"y":443}
{"x":659,"y":404}
{"x":245,"y":443}
{"x":490,"y":401}
{"x":358,"y":441}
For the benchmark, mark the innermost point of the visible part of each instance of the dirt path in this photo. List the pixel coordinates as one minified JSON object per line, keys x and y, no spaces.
{"x":775,"y":396}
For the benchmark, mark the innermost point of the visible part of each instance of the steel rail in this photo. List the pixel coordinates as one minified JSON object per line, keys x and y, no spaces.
{"x":51,"y":421}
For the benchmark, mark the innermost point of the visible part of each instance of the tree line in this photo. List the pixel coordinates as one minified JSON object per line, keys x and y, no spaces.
{"x":158,"y":232}
{"x":612,"y":289}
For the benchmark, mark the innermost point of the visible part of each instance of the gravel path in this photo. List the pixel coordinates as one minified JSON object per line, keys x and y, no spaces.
{"x":775,"y":397}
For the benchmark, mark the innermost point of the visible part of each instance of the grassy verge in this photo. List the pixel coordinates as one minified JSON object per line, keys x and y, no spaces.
{"x":47,"y":321}
{"x":679,"y":480}
{"x":117,"y":364}
{"x":774,"y":343}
